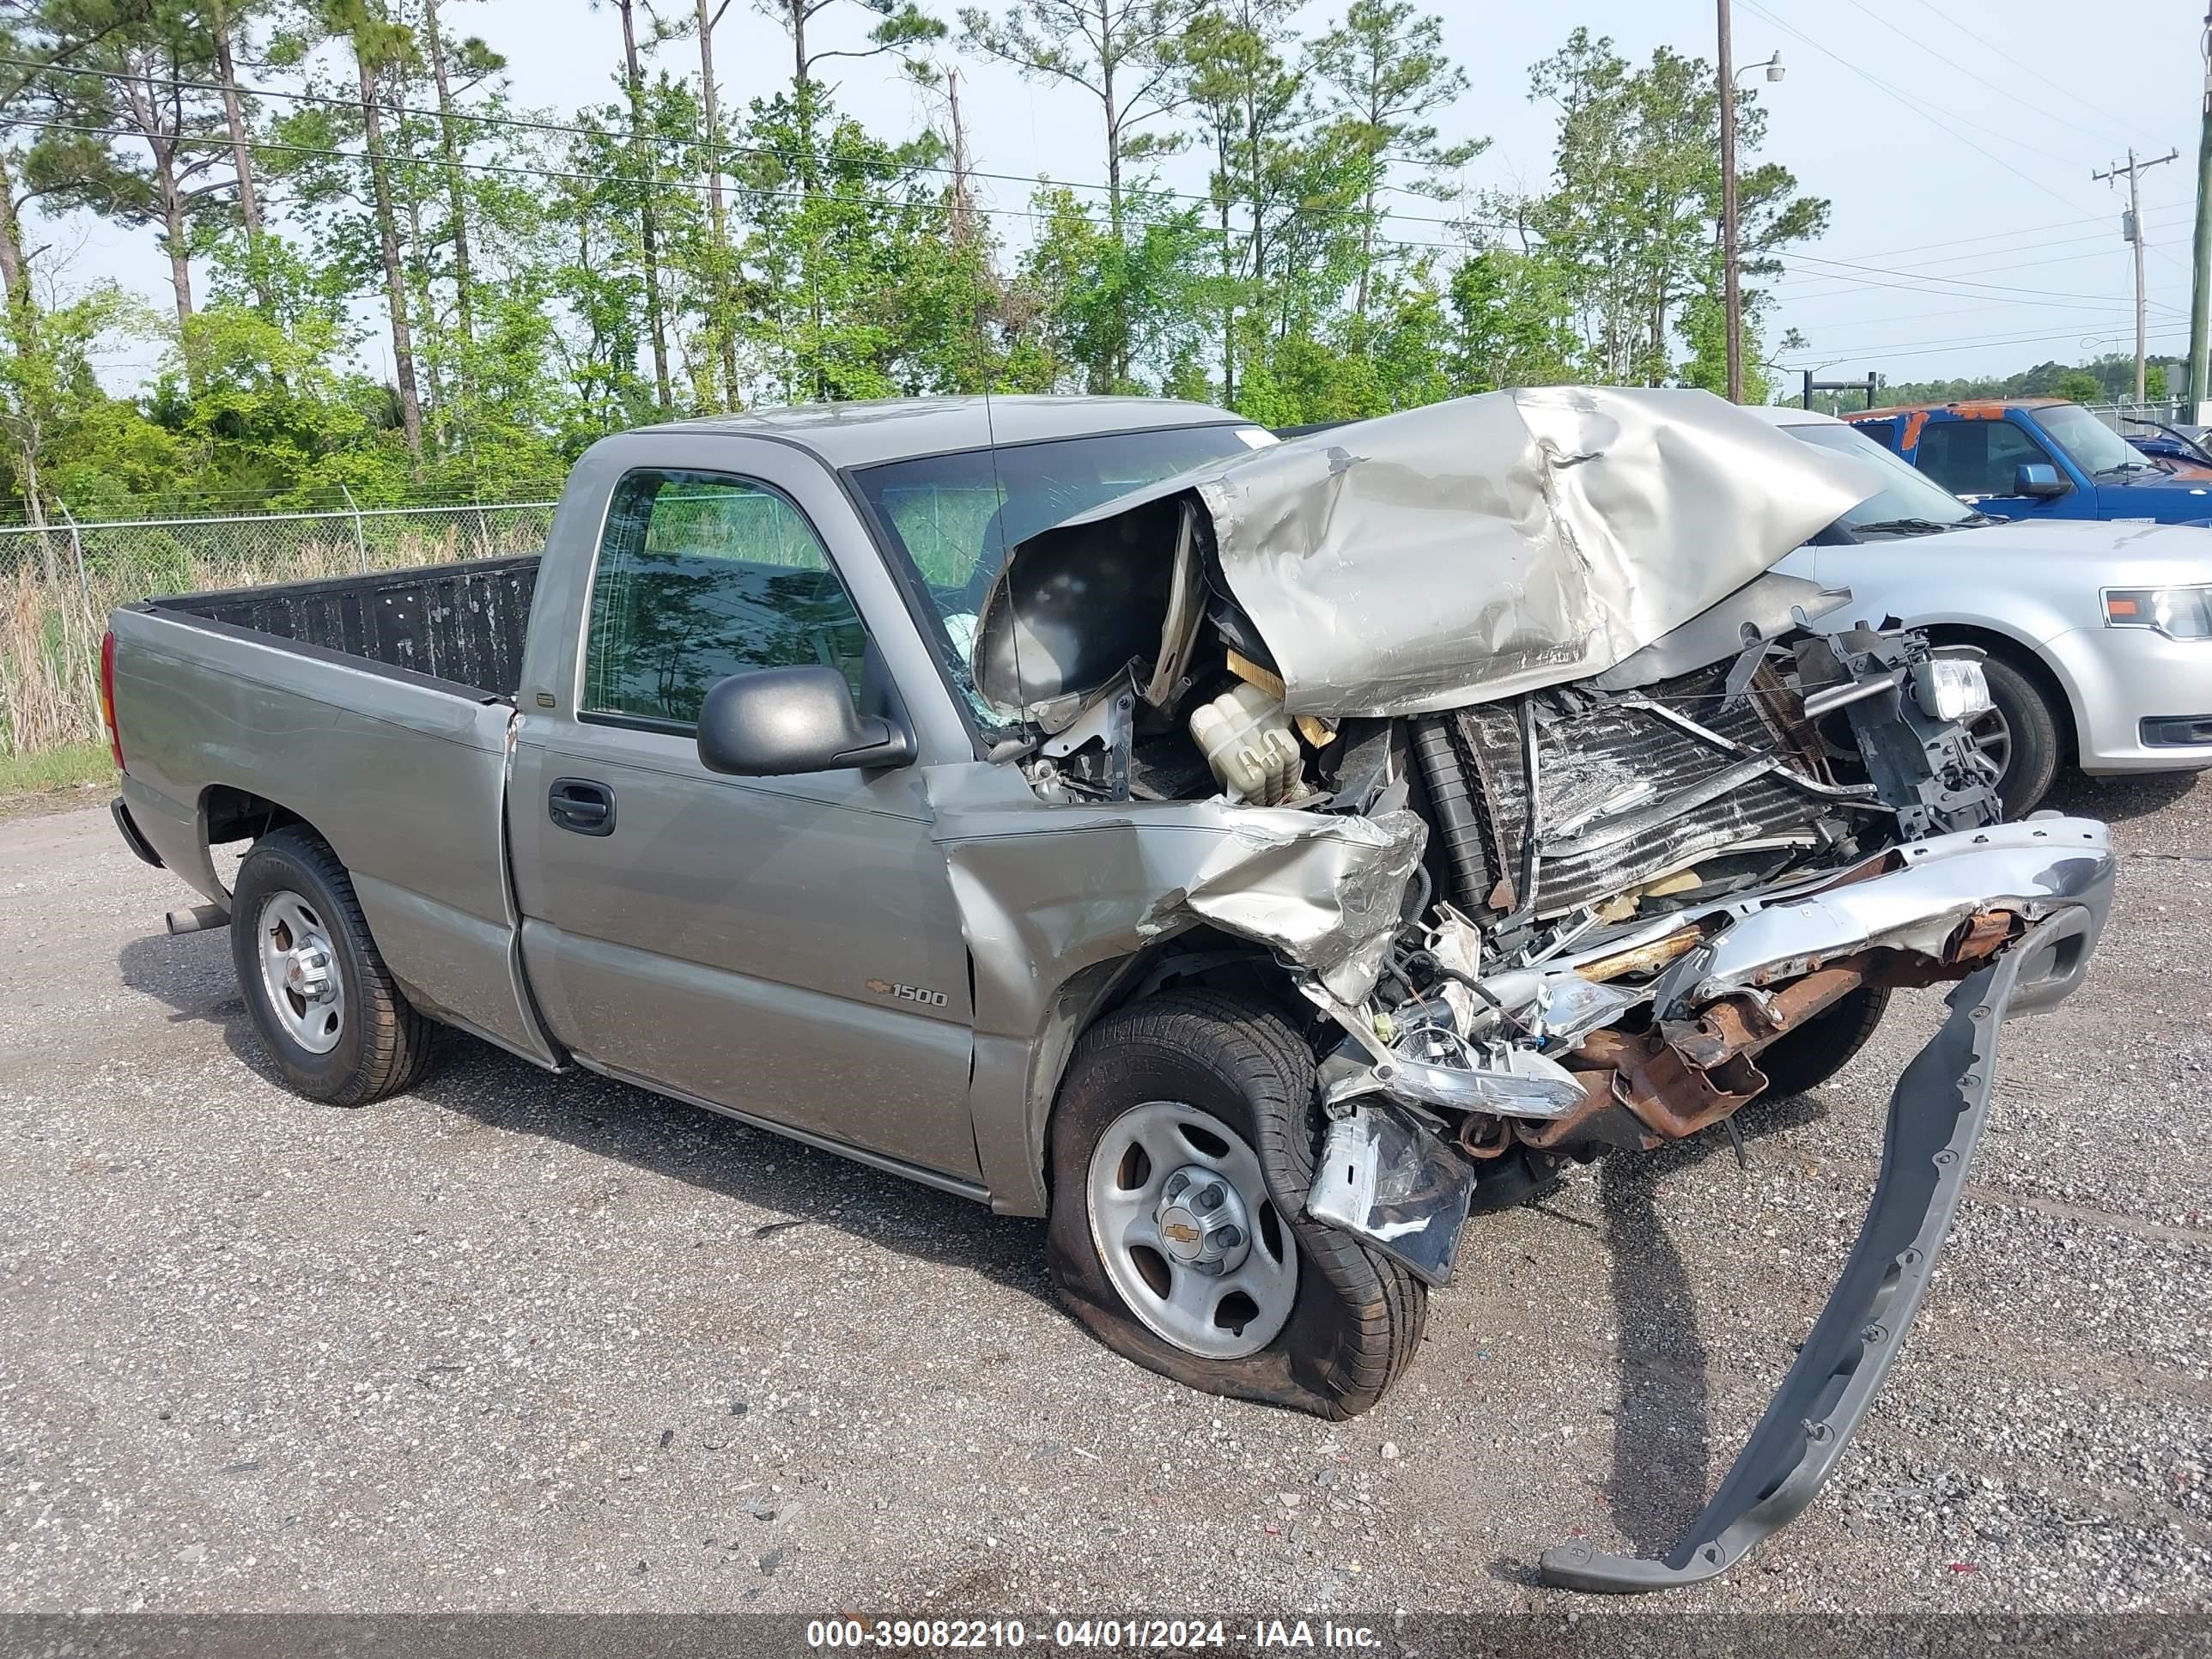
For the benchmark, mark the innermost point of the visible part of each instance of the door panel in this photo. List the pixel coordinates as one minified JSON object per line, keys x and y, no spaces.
{"x":788,"y":947}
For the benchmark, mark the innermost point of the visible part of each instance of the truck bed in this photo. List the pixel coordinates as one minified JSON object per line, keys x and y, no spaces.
{"x":462,"y":623}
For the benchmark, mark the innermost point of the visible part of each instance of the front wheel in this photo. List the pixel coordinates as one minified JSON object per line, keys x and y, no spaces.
{"x":1183,"y":1147}
{"x":326,"y":1007}
{"x":1805,"y":1058}
{"x":2020,"y":736}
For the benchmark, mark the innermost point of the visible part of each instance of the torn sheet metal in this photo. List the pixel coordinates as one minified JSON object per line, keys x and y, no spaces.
{"x":1048,"y":891}
{"x":1448,"y":555}
{"x":1326,"y":891}
{"x":1383,"y":1177}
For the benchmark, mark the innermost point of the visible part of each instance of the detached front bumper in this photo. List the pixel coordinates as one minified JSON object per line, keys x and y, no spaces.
{"x":1936,"y":1116}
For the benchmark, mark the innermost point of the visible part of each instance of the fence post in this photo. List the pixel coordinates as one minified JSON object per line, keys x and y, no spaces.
{"x":77,"y":554}
{"x":360,"y":541}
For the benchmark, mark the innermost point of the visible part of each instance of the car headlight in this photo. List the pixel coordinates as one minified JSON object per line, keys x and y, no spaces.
{"x":1952,"y":688}
{"x":2179,"y":613}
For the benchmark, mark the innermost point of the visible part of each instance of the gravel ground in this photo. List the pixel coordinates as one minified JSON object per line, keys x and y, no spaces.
{"x":525,"y":1342}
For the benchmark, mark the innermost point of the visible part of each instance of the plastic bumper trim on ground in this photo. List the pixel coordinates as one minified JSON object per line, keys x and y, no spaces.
{"x":1936,"y":1116}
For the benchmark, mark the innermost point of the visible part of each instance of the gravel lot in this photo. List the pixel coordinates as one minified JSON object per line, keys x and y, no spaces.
{"x":527,"y":1342}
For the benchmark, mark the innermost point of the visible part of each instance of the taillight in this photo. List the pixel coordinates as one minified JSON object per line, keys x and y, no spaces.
{"x":108,"y":698}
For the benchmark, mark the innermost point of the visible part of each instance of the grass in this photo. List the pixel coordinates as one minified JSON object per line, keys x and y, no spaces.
{"x":69,"y":767}
{"x":50,"y":630}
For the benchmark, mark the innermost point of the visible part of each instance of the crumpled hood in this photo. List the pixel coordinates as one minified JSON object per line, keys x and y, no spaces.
{"x":1448,"y":555}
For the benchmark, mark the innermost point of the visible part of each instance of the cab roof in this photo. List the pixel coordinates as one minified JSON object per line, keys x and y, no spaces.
{"x":902,"y":428}
{"x":1985,"y":408}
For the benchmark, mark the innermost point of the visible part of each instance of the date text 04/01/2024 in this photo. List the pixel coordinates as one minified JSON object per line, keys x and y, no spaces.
{"x":1169,"y":1635}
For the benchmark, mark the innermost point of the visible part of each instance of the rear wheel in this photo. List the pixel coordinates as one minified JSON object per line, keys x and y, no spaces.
{"x":326,"y":1007}
{"x":1183,"y":1147}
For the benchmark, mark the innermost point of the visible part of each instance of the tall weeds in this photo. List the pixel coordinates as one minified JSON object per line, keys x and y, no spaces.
{"x":49,"y":632}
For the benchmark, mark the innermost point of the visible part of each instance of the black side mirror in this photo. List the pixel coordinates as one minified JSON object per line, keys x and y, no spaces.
{"x":2039,"y":479}
{"x":775,"y":722}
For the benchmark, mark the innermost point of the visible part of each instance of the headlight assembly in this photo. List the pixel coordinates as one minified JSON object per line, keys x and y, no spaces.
{"x":1952,"y":688}
{"x":2179,"y":613}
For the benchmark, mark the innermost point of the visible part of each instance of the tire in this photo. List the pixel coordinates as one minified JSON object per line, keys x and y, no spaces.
{"x":2037,"y":743}
{"x":360,"y":1045}
{"x":1354,"y":1318}
{"x":1808,"y":1057}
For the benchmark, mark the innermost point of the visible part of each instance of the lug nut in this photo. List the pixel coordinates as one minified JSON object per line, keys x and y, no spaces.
{"x":1210,"y":1198}
{"x":1230,"y":1237}
{"x":1177,"y":1182}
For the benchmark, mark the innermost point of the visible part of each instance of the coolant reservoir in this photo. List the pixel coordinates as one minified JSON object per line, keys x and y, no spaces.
{"x":1246,"y":739}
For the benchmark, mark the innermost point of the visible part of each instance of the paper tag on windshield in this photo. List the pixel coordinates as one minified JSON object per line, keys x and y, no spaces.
{"x":1256,"y":437}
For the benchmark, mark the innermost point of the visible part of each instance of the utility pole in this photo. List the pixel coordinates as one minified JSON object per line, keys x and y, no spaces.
{"x":964,"y":201}
{"x":1732,"y":295}
{"x":2132,"y":228}
{"x":2200,"y":292}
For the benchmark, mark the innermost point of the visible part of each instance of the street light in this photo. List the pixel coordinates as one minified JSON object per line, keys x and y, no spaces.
{"x":1773,"y":67}
{"x":1732,"y":295}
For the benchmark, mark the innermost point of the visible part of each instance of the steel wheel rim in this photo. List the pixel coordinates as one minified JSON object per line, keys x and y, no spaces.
{"x":1991,"y":735}
{"x":300,"y":978}
{"x":1240,"y":1306}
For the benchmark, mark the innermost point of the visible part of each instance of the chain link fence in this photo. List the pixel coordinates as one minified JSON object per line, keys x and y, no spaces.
{"x":2128,"y":417}
{"x":59,"y":581}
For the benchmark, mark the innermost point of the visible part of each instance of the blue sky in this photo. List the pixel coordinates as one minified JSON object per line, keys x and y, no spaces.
{"x":1955,"y":139}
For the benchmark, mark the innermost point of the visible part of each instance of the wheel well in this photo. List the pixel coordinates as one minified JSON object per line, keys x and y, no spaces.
{"x":1203,"y":956}
{"x":231,"y":814}
{"x":2024,"y":659}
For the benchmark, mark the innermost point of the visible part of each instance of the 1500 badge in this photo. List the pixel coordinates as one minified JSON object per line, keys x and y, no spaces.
{"x":926,"y":998}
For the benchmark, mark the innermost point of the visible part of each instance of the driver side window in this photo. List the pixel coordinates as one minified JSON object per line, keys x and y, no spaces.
{"x":699,"y":577}
{"x":1977,"y":458}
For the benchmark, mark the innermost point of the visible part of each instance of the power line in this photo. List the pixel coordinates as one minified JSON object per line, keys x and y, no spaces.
{"x":1955,"y":282}
{"x":222,"y":142}
{"x":1919,"y":109}
{"x":1983,"y":43}
{"x":2007,"y":93}
{"x":1906,"y":349}
{"x":559,"y":129}
{"x":1927,"y":267}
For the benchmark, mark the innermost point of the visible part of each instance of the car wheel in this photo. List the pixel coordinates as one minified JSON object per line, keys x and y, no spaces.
{"x":1182,"y":1147}
{"x":2020,"y":736}
{"x":1808,"y":1057}
{"x":326,"y":1007}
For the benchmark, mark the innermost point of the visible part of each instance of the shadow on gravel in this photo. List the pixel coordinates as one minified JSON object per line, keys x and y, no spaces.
{"x":1663,"y":1426}
{"x":803,"y":1188}
{"x":2118,"y":799}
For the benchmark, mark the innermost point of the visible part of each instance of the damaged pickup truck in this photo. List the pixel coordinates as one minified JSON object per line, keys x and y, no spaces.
{"x":1263,"y":860}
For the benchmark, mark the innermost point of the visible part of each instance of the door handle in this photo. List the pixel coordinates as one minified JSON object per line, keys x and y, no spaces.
{"x":583,"y":805}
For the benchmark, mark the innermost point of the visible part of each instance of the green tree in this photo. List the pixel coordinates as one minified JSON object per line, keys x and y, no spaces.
{"x":1630,"y":217}
{"x":145,"y":78}
{"x":2081,"y":386}
{"x":1387,"y":74}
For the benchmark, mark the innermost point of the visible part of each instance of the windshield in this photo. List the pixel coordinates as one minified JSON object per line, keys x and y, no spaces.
{"x":2096,"y":448}
{"x":1908,"y":497}
{"x":951,"y":518}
